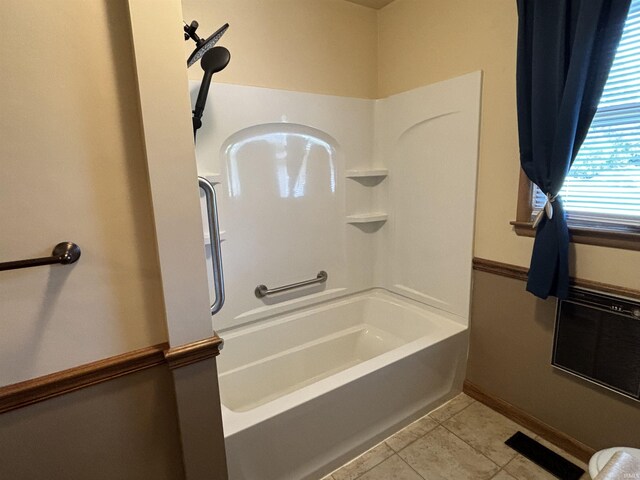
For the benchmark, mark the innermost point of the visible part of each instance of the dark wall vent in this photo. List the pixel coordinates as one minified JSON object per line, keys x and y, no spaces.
{"x":597,"y":337}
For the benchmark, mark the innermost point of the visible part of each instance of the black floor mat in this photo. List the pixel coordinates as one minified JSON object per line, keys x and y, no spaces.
{"x":553,"y":463}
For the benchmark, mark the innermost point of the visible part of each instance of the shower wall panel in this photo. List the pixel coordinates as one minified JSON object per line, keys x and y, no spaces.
{"x":279,"y":159}
{"x":428,"y":139}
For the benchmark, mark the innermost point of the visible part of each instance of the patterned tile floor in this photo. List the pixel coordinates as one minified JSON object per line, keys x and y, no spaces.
{"x":463,"y":439}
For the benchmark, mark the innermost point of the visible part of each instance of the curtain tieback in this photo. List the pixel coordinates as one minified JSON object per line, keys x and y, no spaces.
{"x":548,"y":209}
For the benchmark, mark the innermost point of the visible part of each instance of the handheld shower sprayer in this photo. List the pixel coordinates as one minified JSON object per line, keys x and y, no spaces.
{"x":212,"y":60}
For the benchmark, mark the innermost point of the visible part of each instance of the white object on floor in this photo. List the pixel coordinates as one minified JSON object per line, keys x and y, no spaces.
{"x":600,"y":459}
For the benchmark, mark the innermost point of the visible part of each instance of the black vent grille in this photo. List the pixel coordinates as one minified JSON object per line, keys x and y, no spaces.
{"x":597,"y":337}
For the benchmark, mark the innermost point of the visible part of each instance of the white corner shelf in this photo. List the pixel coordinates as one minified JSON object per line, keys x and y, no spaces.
{"x":207,"y":239}
{"x":367,"y":218}
{"x":368,"y":173}
{"x":214,"y":178}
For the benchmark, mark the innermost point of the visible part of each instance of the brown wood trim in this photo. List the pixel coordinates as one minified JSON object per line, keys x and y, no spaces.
{"x":525,"y":192}
{"x":502,"y":269}
{"x":25,"y":393}
{"x":48,"y":386}
{"x":560,"y":439}
{"x":523,"y":228}
{"x":193,"y":352}
{"x":588,"y":236}
{"x":520,"y":273}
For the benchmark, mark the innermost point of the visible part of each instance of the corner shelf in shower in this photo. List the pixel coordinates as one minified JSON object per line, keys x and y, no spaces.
{"x":367,"y":218}
{"x":214,"y":178}
{"x":223,"y":237}
{"x":368,"y":173}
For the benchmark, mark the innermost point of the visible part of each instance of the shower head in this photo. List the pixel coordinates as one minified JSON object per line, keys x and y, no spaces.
{"x":202,"y":46}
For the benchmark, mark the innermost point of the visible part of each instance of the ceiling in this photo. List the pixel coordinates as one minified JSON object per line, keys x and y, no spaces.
{"x":377,"y":4}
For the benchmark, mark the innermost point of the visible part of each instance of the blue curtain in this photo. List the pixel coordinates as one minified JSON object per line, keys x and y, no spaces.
{"x":565,"y":51}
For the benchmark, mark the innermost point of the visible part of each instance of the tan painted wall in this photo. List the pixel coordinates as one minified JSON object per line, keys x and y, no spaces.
{"x":424,"y":41}
{"x":511,"y":338}
{"x":122,"y":429}
{"x":73,"y":169}
{"x":320,"y":46}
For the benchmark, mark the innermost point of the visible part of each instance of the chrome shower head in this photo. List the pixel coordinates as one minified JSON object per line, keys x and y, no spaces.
{"x":202,"y":46}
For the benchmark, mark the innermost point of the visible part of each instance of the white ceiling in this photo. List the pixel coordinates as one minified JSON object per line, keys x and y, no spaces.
{"x":377,"y":4}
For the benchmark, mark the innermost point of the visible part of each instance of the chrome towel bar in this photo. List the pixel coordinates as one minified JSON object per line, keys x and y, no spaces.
{"x":262,"y":291}
{"x":64,"y":253}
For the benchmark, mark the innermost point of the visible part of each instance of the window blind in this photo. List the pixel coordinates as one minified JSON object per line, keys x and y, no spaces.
{"x":603,"y":185}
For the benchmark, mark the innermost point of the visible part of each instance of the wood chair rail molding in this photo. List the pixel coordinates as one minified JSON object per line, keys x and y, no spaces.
{"x":520,"y":273}
{"x":25,"y":393}
{"x":193,"y":352}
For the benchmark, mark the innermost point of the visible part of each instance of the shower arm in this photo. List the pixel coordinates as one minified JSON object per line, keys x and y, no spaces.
{"x":201,"y":101}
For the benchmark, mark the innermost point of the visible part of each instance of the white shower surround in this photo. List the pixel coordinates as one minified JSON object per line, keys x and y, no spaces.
{"x":427,"y":140}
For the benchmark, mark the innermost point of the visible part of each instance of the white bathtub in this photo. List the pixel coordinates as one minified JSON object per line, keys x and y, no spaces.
{"x":303,"y":393}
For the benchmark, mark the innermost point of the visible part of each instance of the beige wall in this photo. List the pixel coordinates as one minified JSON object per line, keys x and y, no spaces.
{"x":511,"y":339}
{"x":73,"y":169}
{"x":320,"y":46}
{"x":122,"y":429}
{"x":424,"y":41}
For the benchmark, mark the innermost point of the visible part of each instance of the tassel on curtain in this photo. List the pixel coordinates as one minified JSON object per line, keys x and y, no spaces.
{"x":565,"y":51}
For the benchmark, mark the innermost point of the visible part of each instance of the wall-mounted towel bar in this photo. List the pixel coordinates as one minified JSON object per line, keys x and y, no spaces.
{"x":262,"y":291}
{"x":64,"y":253}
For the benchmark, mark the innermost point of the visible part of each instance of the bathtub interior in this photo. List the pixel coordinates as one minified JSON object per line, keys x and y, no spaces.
{"x":257,"y":384}
{"x":276,"y":358}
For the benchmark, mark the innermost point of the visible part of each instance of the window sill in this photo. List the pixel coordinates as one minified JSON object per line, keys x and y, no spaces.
{"x":589,"y":236}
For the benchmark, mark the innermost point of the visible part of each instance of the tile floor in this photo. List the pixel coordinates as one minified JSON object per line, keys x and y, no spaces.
{"x":463,"y":439}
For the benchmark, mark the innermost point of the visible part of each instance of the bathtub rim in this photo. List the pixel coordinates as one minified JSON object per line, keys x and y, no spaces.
{"x":336,"y":296}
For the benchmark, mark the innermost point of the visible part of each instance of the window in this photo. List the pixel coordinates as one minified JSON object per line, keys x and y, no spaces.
{"x":601,"y":193}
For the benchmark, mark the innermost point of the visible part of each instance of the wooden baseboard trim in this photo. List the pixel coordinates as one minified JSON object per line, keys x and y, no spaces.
{"x":549,"y":433}
{"x":520,"y":273}
{"x":36,"y":390}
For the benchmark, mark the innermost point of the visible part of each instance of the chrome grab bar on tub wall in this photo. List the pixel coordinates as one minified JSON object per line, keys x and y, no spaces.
{"x":64,"y":253}
{"x":262,"y":291}
{"x":216,"y":251}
